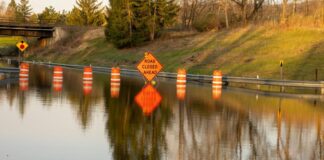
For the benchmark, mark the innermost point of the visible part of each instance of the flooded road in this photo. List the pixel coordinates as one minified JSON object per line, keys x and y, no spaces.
{"x":41,"y":122}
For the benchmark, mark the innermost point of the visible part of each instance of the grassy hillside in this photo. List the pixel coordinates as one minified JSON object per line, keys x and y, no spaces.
{"x":248,"y":51}
{"x":9,"y":41}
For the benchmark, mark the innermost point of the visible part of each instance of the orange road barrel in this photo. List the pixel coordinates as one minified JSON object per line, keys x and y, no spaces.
{"x":217,"y":84}
{"x":115,"y":82}
{"x":24,"y":76}
{"x":87,"y":80}
{"x":58,"y":78}
{"x":181,"y":84}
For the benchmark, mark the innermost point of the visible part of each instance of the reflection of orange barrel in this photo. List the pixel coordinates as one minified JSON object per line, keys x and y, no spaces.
{"x":115,"y":82}
{"x":58,"y":78}
{"x":217,"y":84}
{"x":181,"y":84}
{"x":87,"y":80}
{"x":24,"y":76}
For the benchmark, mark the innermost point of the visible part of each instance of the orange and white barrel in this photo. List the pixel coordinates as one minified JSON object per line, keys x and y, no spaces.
{"x":181,"y":84}
{"x":115,"y":82}
{"x":24,"y":76}
{"x":217,"y":84}
{"x":87,"y":80}
{"x":58,"y":78}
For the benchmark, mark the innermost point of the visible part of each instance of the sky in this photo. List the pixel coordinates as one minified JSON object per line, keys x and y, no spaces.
{"x":59,"y":5}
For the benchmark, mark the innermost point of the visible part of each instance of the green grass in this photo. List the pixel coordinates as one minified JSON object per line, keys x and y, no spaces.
{"x":8,"y":41}
{"x":249,"y":52}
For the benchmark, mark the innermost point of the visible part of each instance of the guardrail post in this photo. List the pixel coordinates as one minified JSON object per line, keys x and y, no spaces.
{"x":258,"y":86}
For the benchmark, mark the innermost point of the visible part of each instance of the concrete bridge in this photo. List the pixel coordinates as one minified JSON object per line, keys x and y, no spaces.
{"x":17,"y":27}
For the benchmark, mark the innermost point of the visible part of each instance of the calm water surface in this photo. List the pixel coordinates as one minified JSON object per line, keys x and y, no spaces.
{"x":40,"y":123}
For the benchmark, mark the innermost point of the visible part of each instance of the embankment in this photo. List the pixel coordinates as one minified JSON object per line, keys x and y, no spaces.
{"x":248,"y":51}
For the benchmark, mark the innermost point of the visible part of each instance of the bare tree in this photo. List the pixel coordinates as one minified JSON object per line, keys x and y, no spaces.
{"x":307,"y":7}
{"x":295,"y":7}
{"x":244,"y":4}
{"x":284,"y":12}
{"x":225,"y":4}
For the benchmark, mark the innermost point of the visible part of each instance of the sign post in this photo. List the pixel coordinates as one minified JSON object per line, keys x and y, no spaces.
{"x":149,"y":67}
{"x":149,"y":98}
{"x":281,"y":70}
{"x":22,"y":46}
{"x":281,"y":74}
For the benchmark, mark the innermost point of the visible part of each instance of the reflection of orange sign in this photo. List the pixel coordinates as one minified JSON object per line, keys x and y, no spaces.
{"x":22,"y":46}
{"x":149,"y":66}
{"x":148,"y":99}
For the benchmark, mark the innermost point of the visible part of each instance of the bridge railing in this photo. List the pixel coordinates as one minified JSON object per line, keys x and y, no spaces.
{"x":22,"y":21}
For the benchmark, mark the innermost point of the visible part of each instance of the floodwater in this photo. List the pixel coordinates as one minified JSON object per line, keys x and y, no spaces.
{"x":38,"y":123}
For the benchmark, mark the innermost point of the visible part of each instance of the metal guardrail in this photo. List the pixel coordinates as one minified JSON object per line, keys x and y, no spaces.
{"x":9,"y":81}
{"x":202,"y":78}
{"x":9,"y":70}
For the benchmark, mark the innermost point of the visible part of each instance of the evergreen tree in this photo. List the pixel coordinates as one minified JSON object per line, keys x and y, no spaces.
{"x":11,"y":10}
{"x":74,"y":17}
{"x":49,"y":15}
{"x":34,"y":18}
{"x":90,"y":12}
{"x":145,"y":20}
{"x":118,"y":30}
{"x":62,"y":18}
{"x":24,"y":10}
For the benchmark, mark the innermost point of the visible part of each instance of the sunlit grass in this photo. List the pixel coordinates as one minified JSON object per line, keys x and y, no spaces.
{"x":8,"y":41}
{"x":248,"y":51}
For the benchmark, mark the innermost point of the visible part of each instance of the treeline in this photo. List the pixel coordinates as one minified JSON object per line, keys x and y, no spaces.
{"x":210,"y":14}
{"x":85,"y":12}
{"x":132,"y":22}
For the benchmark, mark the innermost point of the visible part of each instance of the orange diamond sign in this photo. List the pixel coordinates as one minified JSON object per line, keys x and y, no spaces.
{"x":148,"y":99}
{"x":22,"y":46}
{"x":149,"y":66}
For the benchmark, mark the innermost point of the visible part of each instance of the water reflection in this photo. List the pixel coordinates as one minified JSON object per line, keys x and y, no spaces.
{"x":148,"y":99}
{"x":115,"y":82}
{"x":57,"y":79}
{"x":236,"y":126}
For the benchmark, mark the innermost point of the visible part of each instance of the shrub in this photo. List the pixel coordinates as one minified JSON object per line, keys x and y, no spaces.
{"x":206,"y":23}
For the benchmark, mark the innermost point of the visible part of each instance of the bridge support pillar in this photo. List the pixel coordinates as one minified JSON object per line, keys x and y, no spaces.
{"x":43,"y":42}
{"x":58,"y":34}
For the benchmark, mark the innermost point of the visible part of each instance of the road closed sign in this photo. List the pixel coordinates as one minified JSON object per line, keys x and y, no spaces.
{"x":149,"y":66}
{"x":22,"y":46}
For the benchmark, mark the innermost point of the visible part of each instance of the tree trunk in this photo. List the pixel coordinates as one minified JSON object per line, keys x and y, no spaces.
{"x":129,"y":21}
{"x":307,"y":8}
{"x":244,"y":14}
{"x":295,"y":8}
{"x":284,"y":12}
{"x":185,"y":14}
{"x":152,"y":34}
{"x":193,"y":11}
{"x":226,"y":13}
{"x":323,"y":12}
